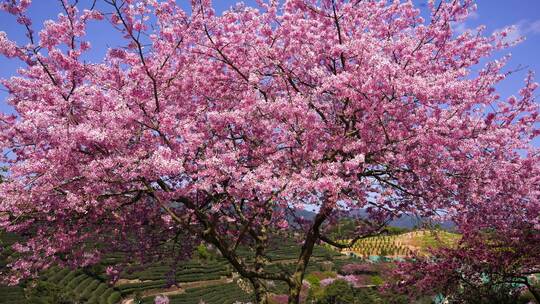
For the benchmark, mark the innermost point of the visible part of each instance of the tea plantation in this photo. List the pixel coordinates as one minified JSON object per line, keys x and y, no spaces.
{"x":403,"y":245}
{"x":11,"y":295}
{"x":90,"y":285}
{"x":206,"y":277}
{"x":217,"y":294}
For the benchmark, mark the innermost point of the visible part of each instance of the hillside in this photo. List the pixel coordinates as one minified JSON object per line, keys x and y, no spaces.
{"x":403,"y":245}
{"x":210,"y":278}
{"x":207,"y":277}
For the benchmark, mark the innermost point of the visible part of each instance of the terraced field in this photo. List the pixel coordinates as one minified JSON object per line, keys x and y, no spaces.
{"x":210,"y":280}
{"x":154,"y":277}
{"x":12,"y":295}
{"x":9,"y":295}
{"x":195,"y":279}
{"x":403,"y":245}
{"x":216,"y":294}
{"x":82,"y":286}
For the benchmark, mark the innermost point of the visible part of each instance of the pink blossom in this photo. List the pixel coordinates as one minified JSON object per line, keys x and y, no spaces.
{"x":161,"y":299}
{"x":327,"y":281}
{"x":113,"y":273}
{"x":280,"y":299}
{"x":8,"y":48}
{"x":223,"y":127}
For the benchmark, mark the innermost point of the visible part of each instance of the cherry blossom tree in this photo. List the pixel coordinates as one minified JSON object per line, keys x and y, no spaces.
{"x":479,"y":272}
{"x":498,"y":254}
{"x":222,"y":127}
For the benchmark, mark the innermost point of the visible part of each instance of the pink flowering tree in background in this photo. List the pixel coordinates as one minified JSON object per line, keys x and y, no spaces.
{"x":223,"y":127}
{"x":498,"y":255}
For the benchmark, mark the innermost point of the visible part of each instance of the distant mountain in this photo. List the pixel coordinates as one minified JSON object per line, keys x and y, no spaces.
{"x":305,"y":214}
{"x":405,"y":221}
{"x":409,"y":221}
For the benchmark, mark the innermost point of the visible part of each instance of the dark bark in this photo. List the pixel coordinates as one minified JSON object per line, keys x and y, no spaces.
{"x":312,"y":237}
{"x":533,"y":291}
{"x":254,"y":274}
{"x":261,"y":295}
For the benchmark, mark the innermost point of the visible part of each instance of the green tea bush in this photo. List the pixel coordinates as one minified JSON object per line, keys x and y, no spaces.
{"x":114,"y":298}
{"x":87,"y":292}
{"x":66,"y":279}
{"x":94,"y":296}
{"x":76,"y":281}
{"x":59,"y":275}
{"x":215,"y":294}
{"x":12,"y":294}
{"x":105,"y":296}
{"x":83,"y":285}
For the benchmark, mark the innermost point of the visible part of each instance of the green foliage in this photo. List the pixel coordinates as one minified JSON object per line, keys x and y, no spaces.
{"x":215,"y":294}
{"x":96,"y":271}
{"x":45,"y":292}
{"x":137,"y":298}
{"x":94,"y":296}
{"x":12,"y":295}
{"x":189,"y":271}
{"x":392,"y":230}
{"x":105,"y":296}
{"x":376,"y":280}
{"x":59,"y":275}
{"x":328,"y":256}
{"x":83,"y":285}
{"x":114,"y":298}
{"x":488,"y":293}
{"x":138,"y":287}
{"x":202,"y":253}
{"x":313,"y":280}
{"x":87,"y":285}
{"x":87,"y":292}
{"x":76,"y":281}
{"x":339,"y":292}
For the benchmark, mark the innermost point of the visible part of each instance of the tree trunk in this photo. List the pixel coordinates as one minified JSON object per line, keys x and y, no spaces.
{"x":261,"y":295}
{"x":210,"y":236}
{"x":534,"y":292}
{"x":294,"y":289}
{"x":295,"y":286}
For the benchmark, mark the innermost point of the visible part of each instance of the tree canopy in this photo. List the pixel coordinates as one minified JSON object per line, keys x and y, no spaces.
{"x":222,"y":127}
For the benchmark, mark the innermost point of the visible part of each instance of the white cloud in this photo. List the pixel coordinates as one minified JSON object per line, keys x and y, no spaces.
{"x":521,"y":29}
{"x":534,"y":27}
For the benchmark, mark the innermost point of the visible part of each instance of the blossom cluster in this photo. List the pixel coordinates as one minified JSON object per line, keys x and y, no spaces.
{"x":240,"y":119}
{"x":161,"y":299}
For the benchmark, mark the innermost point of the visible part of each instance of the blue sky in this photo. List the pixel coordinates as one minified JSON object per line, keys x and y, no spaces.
{"x":494,"y":14}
